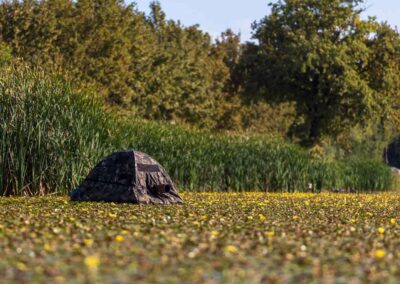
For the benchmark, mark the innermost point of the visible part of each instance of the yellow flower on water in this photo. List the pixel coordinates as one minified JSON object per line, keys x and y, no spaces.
{"x":231,"y":249}
{"x":381,"y":230}
{"x":119,"y":238}
{"x":47,"y":247}
{"x":92,"y":261}
{"x":380,"y":253}
{"x":270,"y":234}
{"x":393,"y":221}
{"x":88,"y":242}
{"x":262,"y":217}
{"x":214,"y":233}
{"x":22,"y":266}
{"x":112,"y":215}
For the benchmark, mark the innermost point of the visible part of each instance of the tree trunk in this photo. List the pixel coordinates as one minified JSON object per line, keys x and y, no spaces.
{"x":315,"y":126}
{"x":315,"y":131}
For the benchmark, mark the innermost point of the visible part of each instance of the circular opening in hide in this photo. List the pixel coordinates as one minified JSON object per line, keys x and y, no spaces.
{"x":161,"y":188}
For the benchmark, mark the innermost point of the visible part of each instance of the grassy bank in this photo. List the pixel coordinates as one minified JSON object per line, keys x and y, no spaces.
{"x":51,"y":135}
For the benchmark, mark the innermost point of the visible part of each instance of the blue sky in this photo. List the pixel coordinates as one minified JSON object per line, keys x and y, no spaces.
{"x":215,"y":16}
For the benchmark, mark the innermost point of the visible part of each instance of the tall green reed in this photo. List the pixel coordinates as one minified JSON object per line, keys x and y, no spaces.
{"x":49,"y":135}
{"x":52,"y":135}
{"x":200,"y":160}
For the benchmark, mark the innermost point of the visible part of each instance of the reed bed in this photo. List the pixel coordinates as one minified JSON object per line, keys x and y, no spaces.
{"x":51,"y":135}
{"x":201,"y":161}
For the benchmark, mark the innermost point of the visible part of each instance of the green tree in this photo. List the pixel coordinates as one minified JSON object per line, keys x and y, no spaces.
{"x":5,"y":54}
{"x":383,"y":74}
{"x":144,"y":65}
{"x":103,"y":45}
{"x":88,"y":38}
{"x":183,"y":77}
{"x":229,"y":45}
{"x":316,"y":53}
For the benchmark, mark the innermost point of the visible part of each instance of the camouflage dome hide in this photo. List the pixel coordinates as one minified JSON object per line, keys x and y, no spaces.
{"x":128,"y":177}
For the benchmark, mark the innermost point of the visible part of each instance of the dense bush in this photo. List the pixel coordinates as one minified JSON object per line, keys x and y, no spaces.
{"x":51,"y":135}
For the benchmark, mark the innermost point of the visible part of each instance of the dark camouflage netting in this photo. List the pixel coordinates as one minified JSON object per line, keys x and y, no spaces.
{"x":130,"y":177}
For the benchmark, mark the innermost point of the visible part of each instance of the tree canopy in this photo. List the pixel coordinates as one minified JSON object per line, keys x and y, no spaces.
{"x":145,"y":64}
{"x":336,"y":67}
{"x":315,"y":68}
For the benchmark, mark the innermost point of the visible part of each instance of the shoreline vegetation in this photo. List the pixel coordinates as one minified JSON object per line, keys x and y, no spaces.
{"x":309,"y":105}
{"x":52,"y":135}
